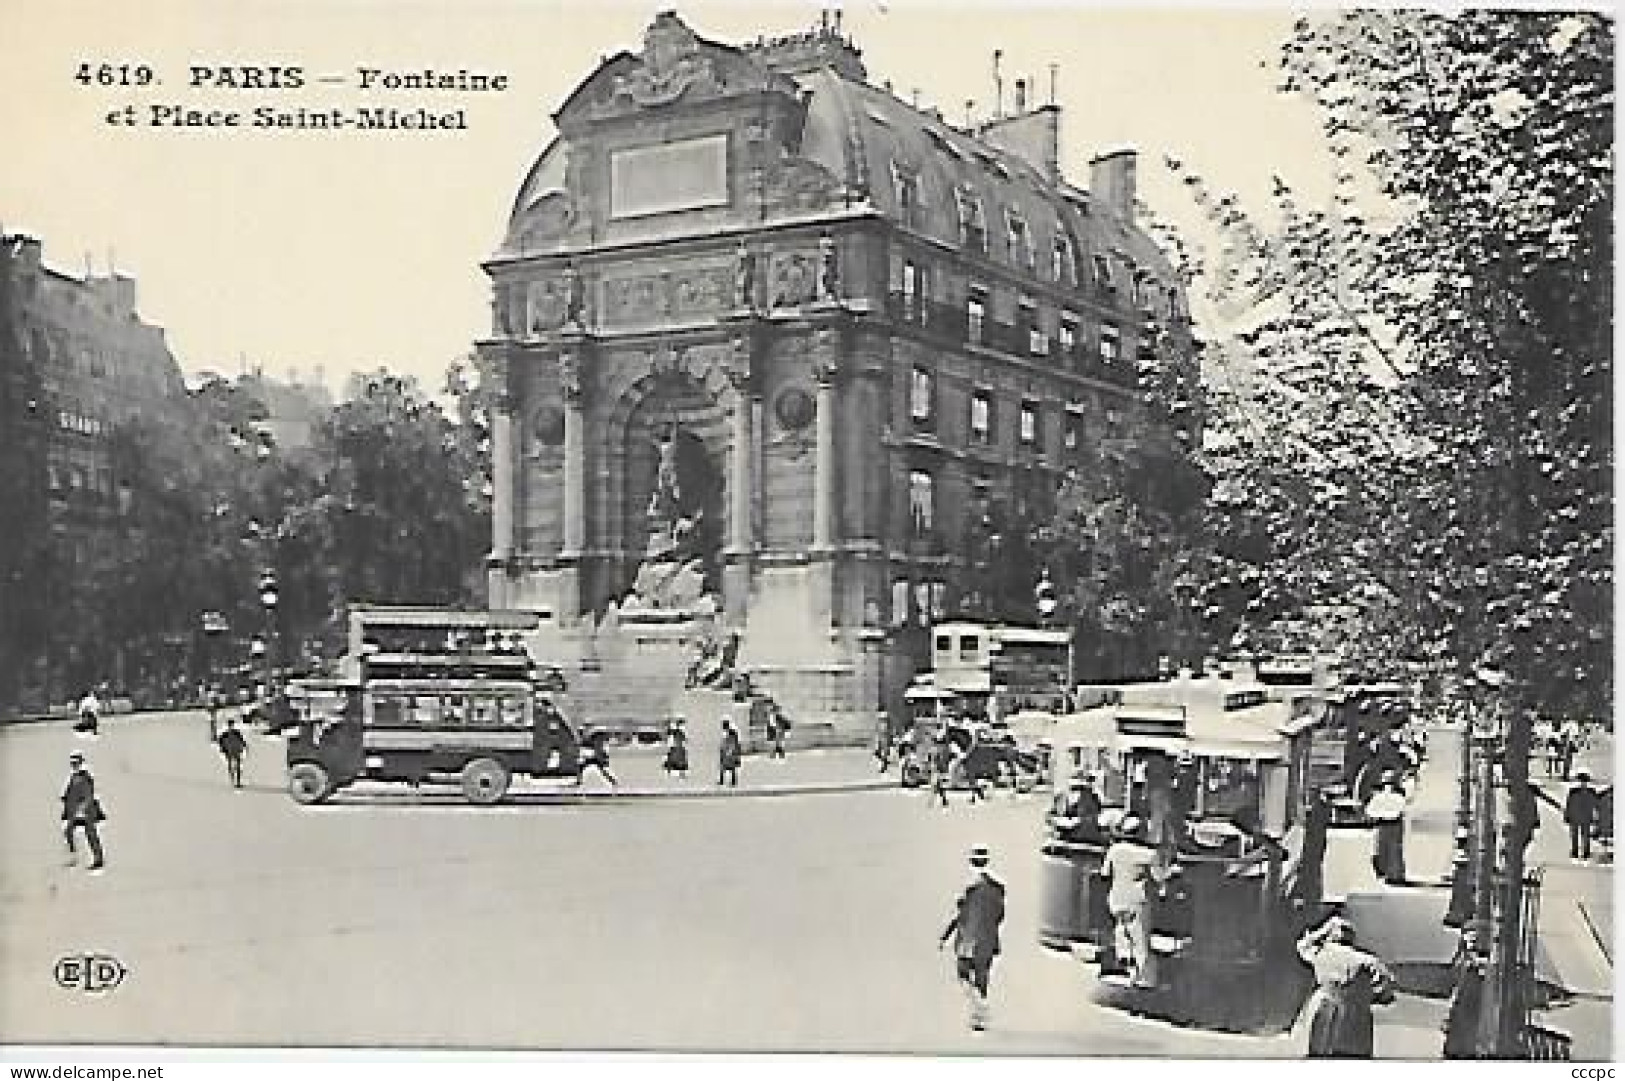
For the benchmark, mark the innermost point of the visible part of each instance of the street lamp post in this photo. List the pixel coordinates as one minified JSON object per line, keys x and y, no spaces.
{"x":268,"y":601}
{"x":214,"y":629}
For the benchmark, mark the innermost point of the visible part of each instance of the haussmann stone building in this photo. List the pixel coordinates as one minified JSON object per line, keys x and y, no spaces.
{"x":769,"y":339}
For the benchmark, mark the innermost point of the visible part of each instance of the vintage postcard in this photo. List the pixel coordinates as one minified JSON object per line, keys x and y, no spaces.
{"x":893,"y":528}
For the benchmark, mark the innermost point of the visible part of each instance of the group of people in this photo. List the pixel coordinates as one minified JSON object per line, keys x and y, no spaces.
{"x":730,"y":751}
{"x":1559,"y":744}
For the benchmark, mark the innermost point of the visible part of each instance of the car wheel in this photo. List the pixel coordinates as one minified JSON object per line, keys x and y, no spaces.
{"x":485,"y":781}
{"x":309,"y":783}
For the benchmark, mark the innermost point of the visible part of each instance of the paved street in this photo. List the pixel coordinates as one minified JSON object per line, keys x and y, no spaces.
{"x":795,"y":923}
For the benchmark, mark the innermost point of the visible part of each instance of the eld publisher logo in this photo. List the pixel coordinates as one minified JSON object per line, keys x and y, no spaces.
{"x":92,"y":973}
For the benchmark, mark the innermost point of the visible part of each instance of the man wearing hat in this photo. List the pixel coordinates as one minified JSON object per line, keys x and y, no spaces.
{"x":975,"y":931}
{"x":81,"y":810}
{"x":1133,"y":870}
{"x":1076,"y":815}
{"x":1580,"y":812}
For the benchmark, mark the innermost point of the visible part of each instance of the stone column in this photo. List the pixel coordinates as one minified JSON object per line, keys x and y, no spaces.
{"x":575,"y":457}
{"x":824,"y":460}
{"x":502,"y":479}
{"x":567,"y":602}
{"x":741,"y":542}
{"x":740,"y":481}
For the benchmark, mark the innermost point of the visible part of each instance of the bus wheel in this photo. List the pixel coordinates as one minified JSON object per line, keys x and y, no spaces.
{"x":485,"y":781}
{"x":309,"y":783}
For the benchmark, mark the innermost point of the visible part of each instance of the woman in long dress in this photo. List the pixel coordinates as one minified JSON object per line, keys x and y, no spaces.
{"x":1348,"y":982}
{"x":676,"y":749}
{"x":1387,"y":809}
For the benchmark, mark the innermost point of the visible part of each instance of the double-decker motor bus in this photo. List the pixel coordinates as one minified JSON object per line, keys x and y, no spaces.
{"x":430,"y":697}
{"x":991,"y":671}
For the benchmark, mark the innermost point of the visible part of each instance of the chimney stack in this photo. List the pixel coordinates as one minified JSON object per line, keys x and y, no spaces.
{"x":1112,"y":181}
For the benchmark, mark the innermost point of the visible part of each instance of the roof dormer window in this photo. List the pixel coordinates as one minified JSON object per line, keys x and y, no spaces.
{"x":906,"y":191}
{"x":1021,"y":239}
{"x":1103,"y":272}
{"x":1063,"y":260}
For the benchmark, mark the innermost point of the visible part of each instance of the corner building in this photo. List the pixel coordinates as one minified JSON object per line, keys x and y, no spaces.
{"x":747,"y":291}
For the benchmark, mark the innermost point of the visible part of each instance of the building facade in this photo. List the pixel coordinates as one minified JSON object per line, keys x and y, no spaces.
{"x":101,"y":366}
{"x":770,"y":342}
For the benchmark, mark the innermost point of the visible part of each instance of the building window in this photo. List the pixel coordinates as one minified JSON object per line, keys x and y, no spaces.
{"x":981,"y":415}
{"x":1021,"y":239}
{"x":914,"y":297}
{"x":1103,"y":272}
{"x":922,"y":603}
{"x":1110,"y":345}
{"x":899,"y":601}
{"x":1063,"y":267}
{"x":1067,"y":337}
{"x":972,"y":224}
{"x":1072,"y":437}
{"x":939,"y":597}
{"x":1029,"y":423}
{"x":1037,"y":340}
{"x":921,"y":502}
{"x":921,"y":397}
{"x":975,"y":316}
{"x":906,"y":190}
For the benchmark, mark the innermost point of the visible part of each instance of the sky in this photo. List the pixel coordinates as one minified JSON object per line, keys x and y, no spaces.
{"x":351,"y":250}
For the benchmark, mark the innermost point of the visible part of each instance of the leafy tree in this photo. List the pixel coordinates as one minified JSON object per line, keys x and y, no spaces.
{"x":1418,"y":432}
{"x":407,"y":524}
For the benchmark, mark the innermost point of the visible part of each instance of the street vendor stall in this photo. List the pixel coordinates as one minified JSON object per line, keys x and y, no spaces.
{"x":1210,"y":779}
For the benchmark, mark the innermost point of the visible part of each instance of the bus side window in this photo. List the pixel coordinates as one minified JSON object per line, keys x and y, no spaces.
{"x":388,"y":710}
{"x":426,"y":710}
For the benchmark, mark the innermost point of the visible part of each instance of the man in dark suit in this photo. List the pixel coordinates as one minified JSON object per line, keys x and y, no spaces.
{"x":1580,"y":812}
{"x":728,"y":755}
{"x":233,"y":746}
{"x":975,"y":931}
{"x":81,"y":810}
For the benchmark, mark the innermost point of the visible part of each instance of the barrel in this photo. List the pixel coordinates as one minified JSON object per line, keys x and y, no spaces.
{"x":1062,"y":916}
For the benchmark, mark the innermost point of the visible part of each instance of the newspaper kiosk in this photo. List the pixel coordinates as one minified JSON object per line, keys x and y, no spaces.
{"x":1218,"y":775}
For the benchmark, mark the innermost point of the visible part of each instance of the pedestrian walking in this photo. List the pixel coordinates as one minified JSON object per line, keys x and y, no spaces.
{"x":883,"y":743}
{"x":1569,"y":741}
{"x":974,"y":927}
{"x":90,"y":713}
{"x":81,"y":810}
{"x":595,"y":755}
{"x":1348,"y":982}
{"x":1386,"y":809}
{"x":676,"y":749}
{"x":728,"y":755}
{"x":1540,"y":741}
{"x":233,"y":746}
{"x":1134,"y":870}
{"x":777,"y":725}
{"x":212,"y":702}
{"x":1580,"y":812}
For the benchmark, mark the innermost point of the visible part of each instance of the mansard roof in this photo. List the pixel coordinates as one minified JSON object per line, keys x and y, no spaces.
{"x":856,"y":131}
